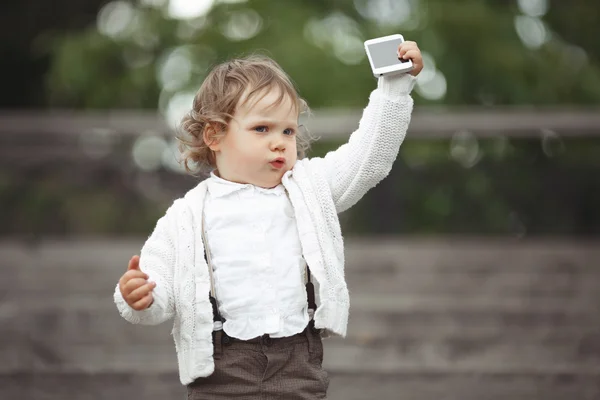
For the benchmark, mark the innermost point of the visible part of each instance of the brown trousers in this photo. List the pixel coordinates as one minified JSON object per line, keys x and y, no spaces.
{"x":265,"y":368}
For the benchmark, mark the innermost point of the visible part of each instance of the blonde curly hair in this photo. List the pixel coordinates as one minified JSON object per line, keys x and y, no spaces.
{"x":216,"y":102}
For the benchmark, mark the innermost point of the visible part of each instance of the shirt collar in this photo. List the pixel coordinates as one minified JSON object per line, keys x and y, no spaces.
{"x":219,"y":187}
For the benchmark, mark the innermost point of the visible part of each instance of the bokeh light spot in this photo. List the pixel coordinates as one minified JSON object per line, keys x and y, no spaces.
{"x":552,"y":144}
{"x":176,"y":107}
{"x":171,"y":157}
{"x":242,"y":25}
{"x":114,"y":18}
{"x":533,"y":8}
{"x":188,"y":9}
{"x":175,"y":69}
{"x":464,"y":148}
{"x":433,"y":87}
{"x":147,"y":151}
{"x":338,"y":33}
{"x":384,"y":12}
{"x":531,"y":31}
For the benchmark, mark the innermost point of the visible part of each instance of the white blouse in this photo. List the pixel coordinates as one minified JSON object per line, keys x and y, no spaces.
{"x":259,"y":270}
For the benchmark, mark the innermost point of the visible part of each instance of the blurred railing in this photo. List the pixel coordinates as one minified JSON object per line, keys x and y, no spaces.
{"x":478,"y":170}
{"x":329,"y":124}
{"x":42,"y":136}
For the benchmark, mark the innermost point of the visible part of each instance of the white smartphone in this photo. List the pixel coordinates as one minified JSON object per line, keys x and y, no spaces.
{"x":383,"y":55}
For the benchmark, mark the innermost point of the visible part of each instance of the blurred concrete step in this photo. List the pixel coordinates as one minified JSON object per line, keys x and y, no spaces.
{"x":91,"y":321}
{"x":484,"y":353}
{"x":478,"y":385}
{"x":89,"y":271}
{"x":528,"y":284}
{"x":417,"y":385}
{"x":463,"y":386}
{"x":426,"y":254}
{"x":415,"y":266}
{"x":75,"y":283}
{"x":472,"y":255}
{"x":81,"y":324}
{"x":427,"y":324}
{"x":358,"y":301}
{"x":464,"y":354}
{"x":500,"y":284}
{"x":90,"y":386}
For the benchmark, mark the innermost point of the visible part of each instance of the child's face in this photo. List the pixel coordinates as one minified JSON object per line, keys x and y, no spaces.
{"x":259,"y":145}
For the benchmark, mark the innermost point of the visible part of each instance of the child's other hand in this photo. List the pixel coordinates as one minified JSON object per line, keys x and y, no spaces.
{"x":134,"y":286}
{"x":410,"y":51}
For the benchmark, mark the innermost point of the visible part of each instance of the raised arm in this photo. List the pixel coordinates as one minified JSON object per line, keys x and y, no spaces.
{"x":369,"y":154}
{"x":157,"y":260}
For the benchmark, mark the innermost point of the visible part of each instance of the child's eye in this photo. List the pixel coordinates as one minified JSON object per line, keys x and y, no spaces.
{"x":261,"y":129}
{"x":289,"y":132}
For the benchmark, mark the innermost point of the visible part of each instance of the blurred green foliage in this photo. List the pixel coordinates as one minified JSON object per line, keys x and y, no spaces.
{"x":475,"y":44}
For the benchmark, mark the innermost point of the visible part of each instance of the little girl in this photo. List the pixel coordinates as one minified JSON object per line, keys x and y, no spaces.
{"x":234,"y":261}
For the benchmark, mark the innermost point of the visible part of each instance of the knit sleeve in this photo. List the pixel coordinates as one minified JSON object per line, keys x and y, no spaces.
{"x":157,"y":259}
{"x":369,"y":154}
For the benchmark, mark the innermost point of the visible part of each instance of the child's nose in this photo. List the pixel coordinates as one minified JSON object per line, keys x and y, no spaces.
{"x":278,"y":145}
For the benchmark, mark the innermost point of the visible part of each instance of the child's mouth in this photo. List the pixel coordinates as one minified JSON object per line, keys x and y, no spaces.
{"x":278,"y":163}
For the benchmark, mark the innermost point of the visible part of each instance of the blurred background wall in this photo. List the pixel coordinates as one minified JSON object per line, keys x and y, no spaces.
{"x":482,"y":244}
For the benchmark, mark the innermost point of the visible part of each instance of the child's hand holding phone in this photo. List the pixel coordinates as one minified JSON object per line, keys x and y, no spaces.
{"x":410,"y":51}
{"x":392,"y":55}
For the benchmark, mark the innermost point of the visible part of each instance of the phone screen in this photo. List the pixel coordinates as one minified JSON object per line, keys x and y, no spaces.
{"x":385,"y":53}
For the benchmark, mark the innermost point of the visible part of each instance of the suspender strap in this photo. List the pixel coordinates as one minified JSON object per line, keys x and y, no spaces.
{"x":310,"y":293}
{"x":218,"y":320}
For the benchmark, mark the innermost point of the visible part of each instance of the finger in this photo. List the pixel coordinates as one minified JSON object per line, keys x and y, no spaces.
{"x":404,"y":50}
{"x":133,"y":284}
{"x":133,"y":274}
{"x":141,"y":292}
{"x":414,"y":55}
{"x":143,"y":303}
{"x":406,"y":46}
{"x":134,"y":263}
{"x":127,"y":276}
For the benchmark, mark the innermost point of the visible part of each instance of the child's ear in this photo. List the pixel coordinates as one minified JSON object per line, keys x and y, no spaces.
{"x":211,"y":138}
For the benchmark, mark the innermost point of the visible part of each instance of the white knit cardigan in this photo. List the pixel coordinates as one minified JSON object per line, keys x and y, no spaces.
{"x":319,"y":189}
